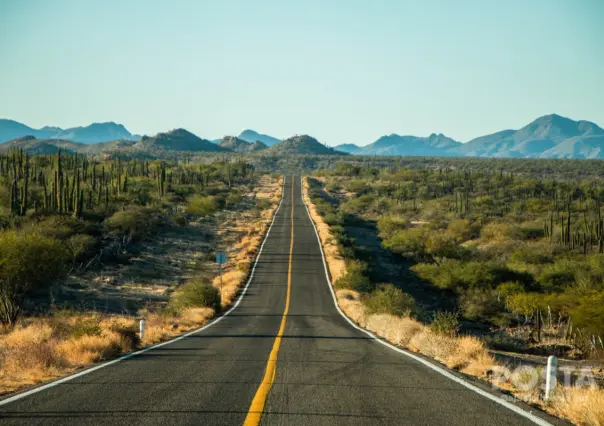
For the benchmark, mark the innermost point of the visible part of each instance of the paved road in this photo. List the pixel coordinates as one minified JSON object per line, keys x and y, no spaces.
{"x":327,"y":373}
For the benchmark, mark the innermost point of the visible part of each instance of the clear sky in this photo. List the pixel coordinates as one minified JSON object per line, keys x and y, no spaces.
{"x":342,"y":71}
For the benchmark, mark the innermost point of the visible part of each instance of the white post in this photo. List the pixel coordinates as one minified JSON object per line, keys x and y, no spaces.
{"x":142,"y":329}
{"x":550,"y":376}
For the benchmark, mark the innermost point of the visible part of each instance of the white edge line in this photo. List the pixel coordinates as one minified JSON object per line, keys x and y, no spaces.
{"x":496,"y":399}
{"x":142,"y":351}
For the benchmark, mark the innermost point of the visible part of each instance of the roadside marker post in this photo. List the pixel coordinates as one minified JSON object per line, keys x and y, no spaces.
{"x":220,"y":259}
{"x":141,"y":327}
{"x":551,"y":376}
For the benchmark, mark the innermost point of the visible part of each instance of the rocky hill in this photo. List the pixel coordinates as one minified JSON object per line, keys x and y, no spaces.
{"x":302,"y":145}
{"x":177,"y":140}
{"x":235,"y":144}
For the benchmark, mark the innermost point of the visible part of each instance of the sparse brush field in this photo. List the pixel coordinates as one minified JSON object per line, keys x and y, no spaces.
{"x":87,"y":248}
{"x":470,"y":265}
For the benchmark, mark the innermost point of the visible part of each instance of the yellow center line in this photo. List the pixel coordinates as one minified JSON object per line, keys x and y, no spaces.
{"x":255,"y":412}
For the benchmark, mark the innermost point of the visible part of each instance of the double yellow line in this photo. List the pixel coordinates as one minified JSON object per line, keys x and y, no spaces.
{"x":255,"y":412}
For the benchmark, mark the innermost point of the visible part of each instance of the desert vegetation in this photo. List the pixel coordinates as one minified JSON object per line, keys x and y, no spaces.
{"x":458,"y":263}
{"x":66,"y":215}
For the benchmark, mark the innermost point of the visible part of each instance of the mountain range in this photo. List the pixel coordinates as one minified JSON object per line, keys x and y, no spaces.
{"x":94,"y":133}
{"x":550,"y":136}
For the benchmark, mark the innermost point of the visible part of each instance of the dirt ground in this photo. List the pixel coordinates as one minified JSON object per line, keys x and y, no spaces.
{"x":155,"y":267}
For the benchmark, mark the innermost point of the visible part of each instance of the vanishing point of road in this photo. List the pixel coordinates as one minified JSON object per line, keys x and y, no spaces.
{"x":283,"y":356}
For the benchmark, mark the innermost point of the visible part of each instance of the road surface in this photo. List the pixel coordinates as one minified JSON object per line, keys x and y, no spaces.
{"x":325,"y":371}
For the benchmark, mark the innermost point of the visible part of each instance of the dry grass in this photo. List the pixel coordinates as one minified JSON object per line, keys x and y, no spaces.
{"x":335,"y":262}
{"x":44,"y":348}
{"x":244,"y":253}
{"x":40,"y":349}
{"x":583,"y":406}
{"x":468,"y":354}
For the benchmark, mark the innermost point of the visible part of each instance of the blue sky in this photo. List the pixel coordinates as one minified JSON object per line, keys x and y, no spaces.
{"x":344,"y":71}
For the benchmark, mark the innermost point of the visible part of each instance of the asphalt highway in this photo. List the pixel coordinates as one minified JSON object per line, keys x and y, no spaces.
{"x":309,"y":367}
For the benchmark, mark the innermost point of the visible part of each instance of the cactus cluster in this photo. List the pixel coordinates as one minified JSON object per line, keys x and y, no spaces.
{"x":70,"y":184}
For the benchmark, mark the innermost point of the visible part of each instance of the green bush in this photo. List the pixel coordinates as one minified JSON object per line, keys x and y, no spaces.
{"x":136,"y":222}
{"x":60,"y":227}
{"x":439,"y":244}
{"x":462,"y":230}
{"x":509,"y":288}
{"x":355,"y":278}
{"x":388,"y":225}
{"x":82,"y":327}
{"x":589,"y":313}
{"x":408,"y":242}
{"x":558,"y":276}
{"x":387,"y":299}
{"x":27,"y":261}
{"x":195,"y":294}
{"x":458,"y":275}
{"x":80,"y":245}
{"x":478,"y":303}
{"x":202,"y":206}
{"x":535,"y":255}
{"x":525,"y":303}
{"x":530,"y":231}
{"x":445,"y":323}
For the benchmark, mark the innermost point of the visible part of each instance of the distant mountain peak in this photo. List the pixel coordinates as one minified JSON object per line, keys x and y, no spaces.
{"x":249,"y":135}
{"x":303,"y":145}
{"x":179,"y":140}
{"x":239,"y":145}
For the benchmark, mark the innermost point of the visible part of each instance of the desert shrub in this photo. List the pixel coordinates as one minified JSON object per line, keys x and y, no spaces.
{"x":529,"y":231}
{"x":78,"y":327}
{"x":262,"y":203}
{"x":140,"y":190}
{"x":535,"y":255}
{"x":558,"y":275}
{"x":440,"y":275}
{"x":445,"y":323}
{"x":509,"y":288}
{"x":388,"y":225}
{"x":358,"y":204}
{"x":179,"y":219}
{"x":387,"y":299}
{"x":80,"y":245}
{"x":232,"y":200}
{"x":477,"y":303}
{"x":495,"y":231}
{"x":589,"y":313}
{"x":202,"y":206}
{"x":408,"y":242}
{"x":354,"y":185}
{"x":525,"y":303}
{"x":333,"y":219}
{"x":355,"y":278}
{"x":27,"y":260}
{"x":60,"y":227}
{"x":136,"y":222}
{"x":462,"y":230}
{"x":439,"y":244}
{"x":194,"y":294}
{"x":457,"y":275}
